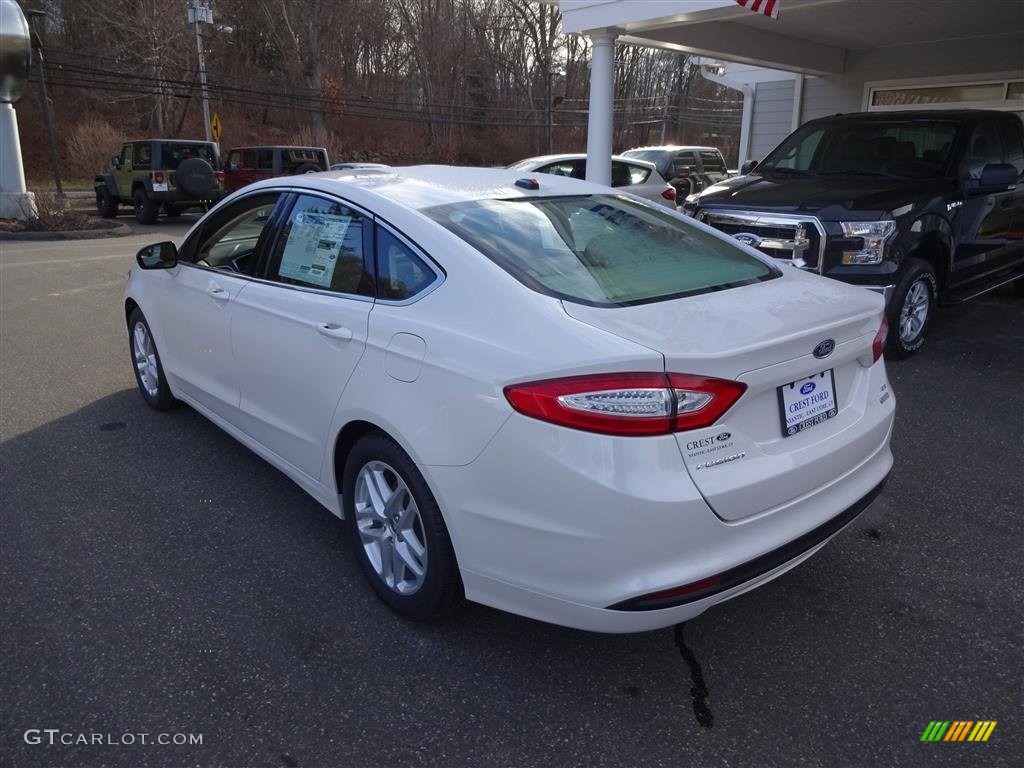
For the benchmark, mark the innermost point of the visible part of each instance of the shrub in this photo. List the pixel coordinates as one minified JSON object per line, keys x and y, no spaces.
{"x":89,"y":147}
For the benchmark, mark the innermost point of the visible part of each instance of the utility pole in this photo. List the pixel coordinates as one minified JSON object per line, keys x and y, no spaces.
{"x":551,"y":112}
{"x":199,"y":13}
{"x":36,"y":17}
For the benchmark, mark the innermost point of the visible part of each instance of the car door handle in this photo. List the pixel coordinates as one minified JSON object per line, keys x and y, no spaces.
{"x":334,"y":331}
{"x":218,"y":293}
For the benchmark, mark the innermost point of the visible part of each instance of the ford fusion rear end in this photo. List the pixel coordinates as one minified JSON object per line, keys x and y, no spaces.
{"x":629,"y":500}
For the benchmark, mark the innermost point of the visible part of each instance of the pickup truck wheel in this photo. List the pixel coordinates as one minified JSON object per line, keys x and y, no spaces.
{"x":106,"y":203}
{"x":146,"y":210}
{"x":912,"y":308}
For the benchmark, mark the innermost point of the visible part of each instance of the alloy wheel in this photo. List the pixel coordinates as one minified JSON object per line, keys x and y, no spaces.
{"x":390,"y":527}
{"x":145,"y":359}
{"x":915,"y":311}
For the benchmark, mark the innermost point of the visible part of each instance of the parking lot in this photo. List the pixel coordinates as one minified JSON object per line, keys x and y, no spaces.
{"x":158,"y":577}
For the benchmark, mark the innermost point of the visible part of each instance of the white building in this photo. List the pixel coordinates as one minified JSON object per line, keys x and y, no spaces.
{"x":818,"y":58}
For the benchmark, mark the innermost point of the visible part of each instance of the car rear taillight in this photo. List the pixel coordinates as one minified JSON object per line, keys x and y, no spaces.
{"x":669,"y":194}
{"x":627,"y":404}
{"x":158,"y":177}
{"x":878,"y":345}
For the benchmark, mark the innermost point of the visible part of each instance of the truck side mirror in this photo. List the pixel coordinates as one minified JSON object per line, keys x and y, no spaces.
{"x":995,"y":177}
{"x":115,"y":161}
{"x":747,"y":167}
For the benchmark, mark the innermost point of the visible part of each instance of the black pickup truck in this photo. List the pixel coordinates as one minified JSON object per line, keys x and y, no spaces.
{"x":925,"y":207}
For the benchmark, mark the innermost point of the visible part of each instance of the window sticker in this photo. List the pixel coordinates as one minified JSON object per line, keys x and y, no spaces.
{"x":313,"y":247}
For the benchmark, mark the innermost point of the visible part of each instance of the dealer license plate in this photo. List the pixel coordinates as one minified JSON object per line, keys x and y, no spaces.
{"x":806,"y":402}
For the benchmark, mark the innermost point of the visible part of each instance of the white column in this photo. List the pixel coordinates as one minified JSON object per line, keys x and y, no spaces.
{"x":600,"y":116}
{"x":15,"y":202}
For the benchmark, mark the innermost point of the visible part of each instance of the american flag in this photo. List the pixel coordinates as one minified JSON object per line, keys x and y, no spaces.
{"x":769,"y":8}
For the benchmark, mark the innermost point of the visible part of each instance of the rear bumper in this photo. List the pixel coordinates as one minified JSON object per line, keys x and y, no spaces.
{"x":558,"y":525}
{"x":754,"y":570}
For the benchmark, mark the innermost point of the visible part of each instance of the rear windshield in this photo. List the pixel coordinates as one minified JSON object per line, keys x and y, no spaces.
{"x":601,"y":250}
{"x":659,"y":157}
{"x":172,"y":155}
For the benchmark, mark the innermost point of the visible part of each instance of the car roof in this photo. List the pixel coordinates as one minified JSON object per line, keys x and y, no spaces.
{"x":542,"y":159}
{"x":672,"y":148}
{"x":424,"y":186}
{"x":170,"y":141}
{"x":918,"y":114}
{"x":277,"y":146}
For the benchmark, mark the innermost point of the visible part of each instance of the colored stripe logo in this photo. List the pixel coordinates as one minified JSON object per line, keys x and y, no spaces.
{"x":959,"y":730}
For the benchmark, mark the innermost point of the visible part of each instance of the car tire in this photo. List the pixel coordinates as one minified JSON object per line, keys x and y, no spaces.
{"x":146,"y":210}
{"x":912,"y":308}
{"x":149,"y":371}
{"x":396,"y":527}
{"x":307,"y":168}
{"x":106,"y":203}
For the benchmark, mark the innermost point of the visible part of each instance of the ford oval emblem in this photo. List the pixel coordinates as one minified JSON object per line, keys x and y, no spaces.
{"x":807,"y":388}
{"x":748,"y":238}
{"x":824,"y":349}
{"x":723,"y":436}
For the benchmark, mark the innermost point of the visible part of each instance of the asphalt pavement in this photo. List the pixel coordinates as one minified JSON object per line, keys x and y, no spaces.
{"x":157,"y":577}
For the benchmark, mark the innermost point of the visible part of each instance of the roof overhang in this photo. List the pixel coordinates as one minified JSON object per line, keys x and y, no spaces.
{"x":810,"y":36}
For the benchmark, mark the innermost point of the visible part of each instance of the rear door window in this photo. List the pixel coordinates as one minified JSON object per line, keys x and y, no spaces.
{"x":265,"y":159}
{"x":324,"y":245}
{"x":638,"y":174}
{"x":1012,"y":144}
{"x":601,"y":250}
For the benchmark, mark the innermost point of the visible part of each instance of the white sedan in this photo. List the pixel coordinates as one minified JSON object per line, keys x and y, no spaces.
{"x":638,"y":177}
{"x":532,"y":393}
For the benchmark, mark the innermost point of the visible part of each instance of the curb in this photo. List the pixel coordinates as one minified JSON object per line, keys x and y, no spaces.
{"x":116,"y":229}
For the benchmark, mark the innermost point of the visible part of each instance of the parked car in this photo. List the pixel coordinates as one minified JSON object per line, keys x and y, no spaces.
{"x":923,"y":207}
{"x":527,"y":392}
{"x":689,"y":169}
{"x":356,"y":166}
{"x":639,"y":177}
{"x":154,"y":173}
{"x":248,"y":164}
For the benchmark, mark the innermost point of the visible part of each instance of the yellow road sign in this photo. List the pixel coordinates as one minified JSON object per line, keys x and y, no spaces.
{"x":215,"y":127}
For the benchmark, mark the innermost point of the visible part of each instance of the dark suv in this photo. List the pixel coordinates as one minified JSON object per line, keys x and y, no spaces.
{"x":154,"y":173}
{"x":923,"y":207}
{"x":689,"y":169}
{"x":248,"y":164}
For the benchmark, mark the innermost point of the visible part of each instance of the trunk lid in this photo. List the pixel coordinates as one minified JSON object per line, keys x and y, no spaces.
{"x":763,"y":335}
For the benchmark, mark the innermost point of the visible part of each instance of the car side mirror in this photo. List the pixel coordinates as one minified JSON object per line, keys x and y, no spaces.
{"x":747,"y":167}
{"x":995,"y":177}
{"x":116,"y":161}
{"x":158,"y":256}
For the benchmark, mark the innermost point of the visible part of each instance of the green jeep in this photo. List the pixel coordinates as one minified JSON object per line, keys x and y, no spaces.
{"x":152,"y":173}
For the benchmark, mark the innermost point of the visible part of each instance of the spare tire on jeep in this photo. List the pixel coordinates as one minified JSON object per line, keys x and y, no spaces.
{"x":194,"y":177}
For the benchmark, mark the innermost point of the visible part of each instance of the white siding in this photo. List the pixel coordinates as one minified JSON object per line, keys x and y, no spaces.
{"x":773,"y":116}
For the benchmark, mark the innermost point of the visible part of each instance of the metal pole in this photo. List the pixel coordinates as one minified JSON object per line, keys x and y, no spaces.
{"x":47,"y":110}
{"x":551,"y":114}
{"x":601,"y":115}
{"x":199,"y":10}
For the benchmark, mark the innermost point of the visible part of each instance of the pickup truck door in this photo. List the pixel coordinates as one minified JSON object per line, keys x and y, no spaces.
{"x":990,"y":226}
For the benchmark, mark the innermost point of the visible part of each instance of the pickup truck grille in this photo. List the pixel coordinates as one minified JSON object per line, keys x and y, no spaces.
{"x":793,"y":238}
